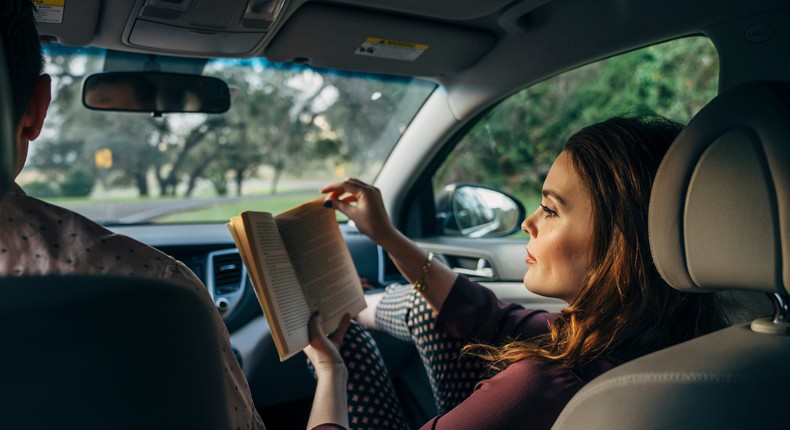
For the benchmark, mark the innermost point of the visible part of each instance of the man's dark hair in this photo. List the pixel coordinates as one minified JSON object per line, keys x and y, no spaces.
{"x":22,"y":51}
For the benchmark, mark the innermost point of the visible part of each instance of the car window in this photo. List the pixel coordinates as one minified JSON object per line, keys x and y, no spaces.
{"x":290,"y":130}
{"x":513,"y":145}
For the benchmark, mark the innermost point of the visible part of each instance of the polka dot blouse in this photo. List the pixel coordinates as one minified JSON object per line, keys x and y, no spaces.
{"x":38,"y":238}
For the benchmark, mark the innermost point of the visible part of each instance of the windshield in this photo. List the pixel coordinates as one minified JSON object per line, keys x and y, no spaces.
{"x":290,"y":130}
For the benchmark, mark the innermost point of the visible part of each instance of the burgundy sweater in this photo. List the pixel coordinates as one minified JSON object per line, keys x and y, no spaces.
{"x":529,"y":393}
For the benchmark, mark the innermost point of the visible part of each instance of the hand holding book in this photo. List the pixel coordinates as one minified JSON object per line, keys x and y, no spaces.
{"x":299,"y":263}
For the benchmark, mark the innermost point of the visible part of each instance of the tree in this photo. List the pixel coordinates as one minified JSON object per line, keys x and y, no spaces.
{"x":292,"y":119}
{"x":513,"y":145}
{"x":80,"y":132}
{"x":296,"y":120}
{"x":355,"y":139}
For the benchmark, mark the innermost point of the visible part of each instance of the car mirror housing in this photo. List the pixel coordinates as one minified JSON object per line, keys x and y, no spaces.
{"x":155,"y":92}
{"x":474,"y":211}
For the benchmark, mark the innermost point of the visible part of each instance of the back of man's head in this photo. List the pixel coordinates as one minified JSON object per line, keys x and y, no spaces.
{"x":22,"y":51}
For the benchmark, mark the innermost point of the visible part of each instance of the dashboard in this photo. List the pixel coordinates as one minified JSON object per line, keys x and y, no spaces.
{"x":209,"y":251}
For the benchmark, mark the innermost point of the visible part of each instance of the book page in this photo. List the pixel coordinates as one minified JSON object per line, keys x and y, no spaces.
{"x":274,"y":281}
{"x":322,"y":261}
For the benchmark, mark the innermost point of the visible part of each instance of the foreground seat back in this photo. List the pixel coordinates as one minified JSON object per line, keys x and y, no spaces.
{"x":108,"y":353}
{"x":719,"y":219}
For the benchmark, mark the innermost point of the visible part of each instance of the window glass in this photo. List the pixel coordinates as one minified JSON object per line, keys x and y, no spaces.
{"x":290,"y":130}
{"x":513,"y":145}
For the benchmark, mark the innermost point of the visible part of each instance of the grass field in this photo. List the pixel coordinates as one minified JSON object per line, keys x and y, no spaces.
{"x":222,"y":213}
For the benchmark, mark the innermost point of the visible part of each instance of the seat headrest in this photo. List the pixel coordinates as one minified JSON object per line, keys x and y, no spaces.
{"x":7,"y":145}
{"x":720,"y":207}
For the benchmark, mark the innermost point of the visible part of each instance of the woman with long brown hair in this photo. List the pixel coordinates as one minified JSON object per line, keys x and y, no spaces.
{"x":588,"y":246}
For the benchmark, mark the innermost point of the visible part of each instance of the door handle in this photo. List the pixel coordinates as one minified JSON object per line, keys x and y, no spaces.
{"x":483,"y":270}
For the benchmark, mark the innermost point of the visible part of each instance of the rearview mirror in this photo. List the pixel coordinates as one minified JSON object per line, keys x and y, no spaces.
{"x":155,"y":92}
{"x":478,"y":211}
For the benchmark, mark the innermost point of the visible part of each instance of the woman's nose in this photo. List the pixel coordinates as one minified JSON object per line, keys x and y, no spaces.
{"x":529,"y":225}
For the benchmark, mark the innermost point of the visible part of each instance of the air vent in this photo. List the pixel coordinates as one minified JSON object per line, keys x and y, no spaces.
{"x":227,"y":273}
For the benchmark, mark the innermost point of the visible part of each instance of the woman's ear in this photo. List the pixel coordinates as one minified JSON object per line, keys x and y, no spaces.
{"x":33,"y":120}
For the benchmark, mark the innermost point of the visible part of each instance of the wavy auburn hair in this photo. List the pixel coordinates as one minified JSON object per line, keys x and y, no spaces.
{"x":624,"y":309}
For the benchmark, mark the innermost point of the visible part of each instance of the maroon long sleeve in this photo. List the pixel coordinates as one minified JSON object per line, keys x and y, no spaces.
{"x":472,"y":311}
{"x":528,"y":394}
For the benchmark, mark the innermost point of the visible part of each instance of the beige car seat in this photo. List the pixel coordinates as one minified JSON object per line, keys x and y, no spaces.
{"x":719,"y":220}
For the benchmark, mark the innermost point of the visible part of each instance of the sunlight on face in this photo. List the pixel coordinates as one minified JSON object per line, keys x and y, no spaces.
{"x":560,"y":231}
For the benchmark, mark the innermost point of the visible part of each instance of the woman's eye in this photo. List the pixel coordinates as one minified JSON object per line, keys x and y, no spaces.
{"x":549,"y":213}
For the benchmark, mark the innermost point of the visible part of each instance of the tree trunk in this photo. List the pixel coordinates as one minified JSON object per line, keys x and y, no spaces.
{"x":196,"y":173}
{"x":160,"y":180}
{"x":167,"y":185}
{"x":220,"y":186}
{"x":191,"y":141}
{"x":190,"y":186}
{"x":142,"y":183}
{"x":239,"y":179}
{"x":278,"y":170}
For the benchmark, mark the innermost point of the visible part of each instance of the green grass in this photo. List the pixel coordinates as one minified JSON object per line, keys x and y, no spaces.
{"x":275,"y":205}
{"x":65,"y":201}
{"x":223,"y":213}
{"x":125,"y":196}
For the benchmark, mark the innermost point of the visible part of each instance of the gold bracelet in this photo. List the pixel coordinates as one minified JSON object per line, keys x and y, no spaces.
{"x":420,"y":285}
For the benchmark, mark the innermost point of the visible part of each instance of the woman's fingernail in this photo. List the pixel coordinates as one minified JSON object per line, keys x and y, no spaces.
{"x":327,"y":203}
{"x":314,"y":314}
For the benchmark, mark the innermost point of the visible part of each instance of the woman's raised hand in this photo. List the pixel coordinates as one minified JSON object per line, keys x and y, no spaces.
{"x":362,"y":204}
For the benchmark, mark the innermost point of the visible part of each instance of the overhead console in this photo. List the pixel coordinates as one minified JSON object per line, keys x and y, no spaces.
{"x":202,"y":27}
{"x":329,"y":36}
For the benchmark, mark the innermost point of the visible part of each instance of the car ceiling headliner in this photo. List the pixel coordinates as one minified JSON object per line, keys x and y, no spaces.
{"x":482,"y":50}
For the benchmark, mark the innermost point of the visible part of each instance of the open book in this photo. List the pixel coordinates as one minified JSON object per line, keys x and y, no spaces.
{"x":299,"y":263}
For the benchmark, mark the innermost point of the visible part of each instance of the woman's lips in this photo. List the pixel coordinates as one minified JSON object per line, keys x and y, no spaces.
{"x":530,"y":258}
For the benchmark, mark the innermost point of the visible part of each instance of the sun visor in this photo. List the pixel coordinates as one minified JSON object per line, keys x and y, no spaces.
{"x":350,"y":39}
{"x":69,"y":22}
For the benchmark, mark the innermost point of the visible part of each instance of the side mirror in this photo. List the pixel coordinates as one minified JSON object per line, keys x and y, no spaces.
{"x":155,"y":92}
{"x":478,"y":211}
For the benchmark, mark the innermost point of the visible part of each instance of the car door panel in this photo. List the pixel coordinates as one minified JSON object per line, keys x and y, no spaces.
{"x":499,"y":261}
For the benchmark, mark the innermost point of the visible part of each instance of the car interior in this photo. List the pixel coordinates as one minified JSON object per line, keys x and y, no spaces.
{"x":719,"y":214}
